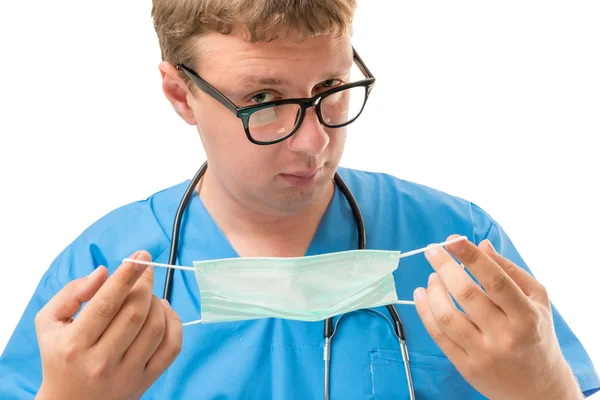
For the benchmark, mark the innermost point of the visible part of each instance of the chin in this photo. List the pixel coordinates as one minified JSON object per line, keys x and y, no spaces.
{"x":297,"y":200}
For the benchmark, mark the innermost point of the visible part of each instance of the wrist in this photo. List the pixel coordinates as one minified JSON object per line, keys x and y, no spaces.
{"x":565,"y":386}
{"x":45,"y":393}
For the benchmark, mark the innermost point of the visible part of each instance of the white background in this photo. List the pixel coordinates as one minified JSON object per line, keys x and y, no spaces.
{"x":495,"y":102}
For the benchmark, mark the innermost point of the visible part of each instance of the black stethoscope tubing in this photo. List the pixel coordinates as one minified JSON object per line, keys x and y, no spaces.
{"x":362,"y":245}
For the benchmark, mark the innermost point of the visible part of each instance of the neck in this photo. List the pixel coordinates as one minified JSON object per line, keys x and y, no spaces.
{"x":253,"y":233}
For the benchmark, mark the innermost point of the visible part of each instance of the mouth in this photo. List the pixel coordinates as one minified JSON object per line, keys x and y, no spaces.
{"x":302,"y":178}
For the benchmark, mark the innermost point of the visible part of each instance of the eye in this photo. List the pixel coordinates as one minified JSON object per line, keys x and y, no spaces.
{"x":328,"y":84}
{"x":263,"y":97}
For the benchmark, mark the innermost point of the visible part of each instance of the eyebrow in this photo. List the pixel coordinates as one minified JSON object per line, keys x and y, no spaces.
{"x":255,"y":80}
{"x":250,"y":81}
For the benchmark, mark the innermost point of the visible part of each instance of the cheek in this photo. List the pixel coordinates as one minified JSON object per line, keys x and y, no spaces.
{"x":221,"y":132}
{"x":337,"y":141}
{"x":228,"y":149}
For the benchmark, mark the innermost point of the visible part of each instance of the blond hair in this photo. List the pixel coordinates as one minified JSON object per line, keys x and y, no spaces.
{"x":179,"y":23}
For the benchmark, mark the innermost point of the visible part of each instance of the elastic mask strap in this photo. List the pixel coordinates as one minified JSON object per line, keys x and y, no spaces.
{"x":198,"y":321}
{"x":402,"y":255}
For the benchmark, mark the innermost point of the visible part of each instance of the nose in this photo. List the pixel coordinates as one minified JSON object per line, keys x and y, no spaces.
{"x":311,"y":137}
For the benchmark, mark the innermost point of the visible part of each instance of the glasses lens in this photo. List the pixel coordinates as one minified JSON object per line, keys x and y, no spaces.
{"x":273,"y":123}
{"x":344,"y":106}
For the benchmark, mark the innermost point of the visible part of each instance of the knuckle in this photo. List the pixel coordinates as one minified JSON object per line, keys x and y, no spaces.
{"x":106,"y":308}
{"x":531,"y":328}
{"x":446,"y":319}
{"x":172,"y":317}
{"x":467,"y":293}
{"x":437,"y":335}
{"x":175,"y":349}
{"x":157,"y":328}
{"x":135,"y":317}
{"x":532,"y":318}
{"x":148,"y":279}
{"x":498,"y":283}
{"x":508,"y":344}
{"x":470,"y":257}
{"x":445,"y":265}
{"x":99,"y":370}
{"x":511,"y":268}
{"x":71,"y":286}
{"x":127,"y":277}
{"x":70,"y":351}
{"x":74,"y":286}
{"x":543,"y":293}
{"x":175,"y":318}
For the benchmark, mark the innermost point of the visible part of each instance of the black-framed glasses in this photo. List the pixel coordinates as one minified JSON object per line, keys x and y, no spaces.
{"x":274,"y":121}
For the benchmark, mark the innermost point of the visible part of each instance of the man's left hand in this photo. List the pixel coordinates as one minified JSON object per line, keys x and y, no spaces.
{"x":504,"y":342}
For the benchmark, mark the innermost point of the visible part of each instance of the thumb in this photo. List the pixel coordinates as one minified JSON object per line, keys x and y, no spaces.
{"x":65,"y":304}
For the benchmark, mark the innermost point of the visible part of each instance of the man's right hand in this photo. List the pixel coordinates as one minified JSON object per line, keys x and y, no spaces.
{"x":118,"y":345}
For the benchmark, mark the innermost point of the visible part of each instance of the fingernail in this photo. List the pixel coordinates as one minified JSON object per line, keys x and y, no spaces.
{"x":140,"y":267}
{"x":458,"y":247}
{"x":490,"y":245}
{"x":94,"y":273}
{"x":165,"y":303}
{"x":433,"y":277}
{"x":419,"y":294}
{"x":431,"y":251}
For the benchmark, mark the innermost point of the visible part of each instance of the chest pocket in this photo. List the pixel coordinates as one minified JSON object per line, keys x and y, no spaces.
{"x":434,"y":377}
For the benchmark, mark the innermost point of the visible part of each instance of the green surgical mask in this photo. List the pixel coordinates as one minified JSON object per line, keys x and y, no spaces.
{"x":304,"y":288}
{"x":311,"y":288}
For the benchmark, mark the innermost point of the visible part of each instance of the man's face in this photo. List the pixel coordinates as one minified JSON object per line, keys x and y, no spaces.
{"x":278,"y":179}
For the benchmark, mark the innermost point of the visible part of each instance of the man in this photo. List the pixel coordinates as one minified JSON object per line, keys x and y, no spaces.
{"x":269,"y":191}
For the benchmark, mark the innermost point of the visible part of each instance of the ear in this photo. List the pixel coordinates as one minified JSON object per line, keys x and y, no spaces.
{"x":176,"y":92}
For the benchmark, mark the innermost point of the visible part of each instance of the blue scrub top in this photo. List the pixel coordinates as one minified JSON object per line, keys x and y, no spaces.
{"x":283,"y":359}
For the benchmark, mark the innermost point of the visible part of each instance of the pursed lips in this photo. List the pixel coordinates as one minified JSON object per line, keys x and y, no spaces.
{"x":304,"y":173}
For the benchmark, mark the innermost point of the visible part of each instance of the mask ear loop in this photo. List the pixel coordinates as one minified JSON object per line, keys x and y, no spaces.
{"x":149,"y":263}
{"x":402,"y":255}
{"x":198,"y":321}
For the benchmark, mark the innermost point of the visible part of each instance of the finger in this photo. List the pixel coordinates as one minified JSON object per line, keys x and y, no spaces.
{"x":497,"y":283}
{"x":526,"y":282}
{"x":471,"y":298}
{"x":149,"y":338}
{"x":448,"y":318}
{"x":65,"y":304}
{"x":128,"y":322}
{"x":102,"y":308}
{"x":454,"y":352}
{"x":170,"y":346}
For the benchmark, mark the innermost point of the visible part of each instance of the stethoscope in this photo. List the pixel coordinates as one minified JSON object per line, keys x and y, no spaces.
{"x":328,"y":330}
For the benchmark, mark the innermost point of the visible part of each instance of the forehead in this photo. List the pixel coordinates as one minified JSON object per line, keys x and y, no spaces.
{"x":233,"y":54}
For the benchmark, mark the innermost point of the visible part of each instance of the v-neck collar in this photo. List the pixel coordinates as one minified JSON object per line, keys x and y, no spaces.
{"x":202,"y":239}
